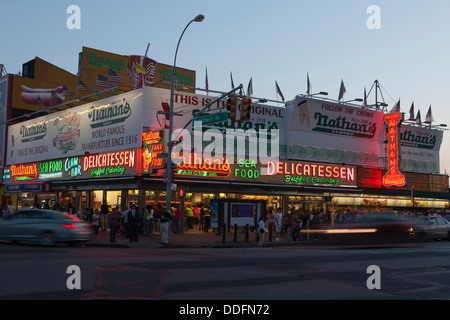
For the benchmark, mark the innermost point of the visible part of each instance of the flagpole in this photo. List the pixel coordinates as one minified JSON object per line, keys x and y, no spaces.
{"x":276,"y":92}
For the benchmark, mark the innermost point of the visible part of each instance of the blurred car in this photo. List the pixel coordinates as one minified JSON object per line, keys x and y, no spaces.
{"x":372,"y":228}
{"x":431,"y":227}
{"x":46,"y":227}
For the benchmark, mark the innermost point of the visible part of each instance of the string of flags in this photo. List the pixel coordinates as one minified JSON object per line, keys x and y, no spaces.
{"x":342,"y":91}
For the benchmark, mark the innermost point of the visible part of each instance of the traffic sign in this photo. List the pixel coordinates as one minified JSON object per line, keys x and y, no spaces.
{"x":212,"y":118}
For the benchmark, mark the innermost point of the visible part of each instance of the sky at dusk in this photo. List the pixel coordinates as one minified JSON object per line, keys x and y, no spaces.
{"x":268,"y":41}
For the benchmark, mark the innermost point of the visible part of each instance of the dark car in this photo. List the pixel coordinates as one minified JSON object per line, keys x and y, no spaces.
{"x":46,"y":227}
{"x":431,"y":227}
{"x":373,"y":228}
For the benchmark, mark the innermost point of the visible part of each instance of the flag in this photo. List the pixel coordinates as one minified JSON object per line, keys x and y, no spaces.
{"x":67,"y":92}
{"x":429,"y":116}
{"x":279,"y":91}
{"x":342,"y":90}
{"x":113,"y":77}
{"x":129,"y":72}
{"x":365,"y":98}
{"x":396,"y":107}
{"x":411,"y":113}
{"x":206,"y":80}
{"x":39,"y":102}
{"x":308,"y":85}
{"x":55,"y":99}
{"x":82,"y":87}
{"x":418,"y":120}
{"x":250,"y":88}
{"x":232,"y":82}
{"x":140,"y":69}
{"x":101,"y":81}
{"x":132,"y":76}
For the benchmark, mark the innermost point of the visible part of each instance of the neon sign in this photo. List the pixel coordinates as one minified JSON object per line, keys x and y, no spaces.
{"x":393,"y":178}
{"x":50,"y":169}
{"x":153,"y":146}
{"x":203,"y":167}
{"x":151,"y":137}
{"x":24,"y":172}
{"x":318,"y":172}
{"x":73,"y":167}
{"x":111,"y":159}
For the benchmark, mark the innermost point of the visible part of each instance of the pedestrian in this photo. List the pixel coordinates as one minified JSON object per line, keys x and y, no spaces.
{"x":146,"y":221}
{"x":196,"y":212}
{"x":104,"y":217}
{"x":11,"y":207}
{"x":176,"y":220}
{"x":189,"y":214}
{"x":164,"y":225}
{"x":5,"y":212}
{"x":95,"y":220}
{"x":261,"y":231}
{"x":278,"y":224}
{"x":133,"y":223}
{"x":114,"y":224}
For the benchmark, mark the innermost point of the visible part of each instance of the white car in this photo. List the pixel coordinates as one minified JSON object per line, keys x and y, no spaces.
{"x":47,"y":227}
{"x":431,"y":227}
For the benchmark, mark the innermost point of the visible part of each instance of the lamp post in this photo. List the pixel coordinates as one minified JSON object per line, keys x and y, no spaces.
{"x":168,"y":178}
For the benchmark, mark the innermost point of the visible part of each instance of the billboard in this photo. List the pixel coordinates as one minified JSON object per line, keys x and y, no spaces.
{"x":323,"y":130}
{"x":419,"y":147}
{"x":100,"y":70}
{"x":45,"y":85}
{"x":264,"y":119}
{"x":108,"y":125}
{"x":142,"y":71}
{"x":242,"y":213}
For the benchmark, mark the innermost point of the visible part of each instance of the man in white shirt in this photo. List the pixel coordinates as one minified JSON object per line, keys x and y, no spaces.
{"x":278,"y":224}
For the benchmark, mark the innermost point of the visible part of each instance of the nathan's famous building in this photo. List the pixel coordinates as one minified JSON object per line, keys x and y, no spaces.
{"x":111,"y":146}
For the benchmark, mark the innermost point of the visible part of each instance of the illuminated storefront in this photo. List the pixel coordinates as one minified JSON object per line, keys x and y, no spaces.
{"x":114,"y":151}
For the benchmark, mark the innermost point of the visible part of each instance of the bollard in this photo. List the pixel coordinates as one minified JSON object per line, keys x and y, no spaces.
{"x":246,"y":232}
{"x":224,"y":233}
{"x":288,"y":234}
{"x":236,"y":229}
{"x":270,"y":232}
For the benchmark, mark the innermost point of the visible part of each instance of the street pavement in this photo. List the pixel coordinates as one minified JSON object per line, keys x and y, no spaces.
{"x":192,"y":239}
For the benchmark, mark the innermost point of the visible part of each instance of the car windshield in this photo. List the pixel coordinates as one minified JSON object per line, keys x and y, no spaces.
{"x":422,"y":220}
{"x":41,"y":214}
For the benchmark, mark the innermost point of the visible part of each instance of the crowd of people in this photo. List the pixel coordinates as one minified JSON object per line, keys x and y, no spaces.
{"x":133,"y":223}
{"x":297,"y":220}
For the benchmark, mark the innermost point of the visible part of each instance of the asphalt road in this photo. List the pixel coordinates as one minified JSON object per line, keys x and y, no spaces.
{"x":405,"y":272}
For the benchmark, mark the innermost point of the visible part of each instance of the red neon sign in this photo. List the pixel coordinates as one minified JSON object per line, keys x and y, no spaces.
{"x":206,"y":167}
{"x":394,"y":177}
{"x":151,"y":137}
{"x":24,"y":172}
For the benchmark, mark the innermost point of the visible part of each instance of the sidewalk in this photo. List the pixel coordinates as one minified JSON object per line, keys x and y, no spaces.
{"x":189,"y":239}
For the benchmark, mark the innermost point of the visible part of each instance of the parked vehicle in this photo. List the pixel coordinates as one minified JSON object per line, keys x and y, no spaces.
{"x":46,"y":227}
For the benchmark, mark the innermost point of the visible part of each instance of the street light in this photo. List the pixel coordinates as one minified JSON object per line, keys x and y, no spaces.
{"x":357,"y":100}
{"x":169,"y":178}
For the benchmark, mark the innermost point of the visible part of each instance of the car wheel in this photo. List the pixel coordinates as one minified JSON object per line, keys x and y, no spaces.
{"x":47,"y":239}
{"x":448,"y":236}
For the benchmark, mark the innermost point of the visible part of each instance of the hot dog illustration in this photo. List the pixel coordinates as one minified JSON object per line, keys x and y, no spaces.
{"x":42,"y":97}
